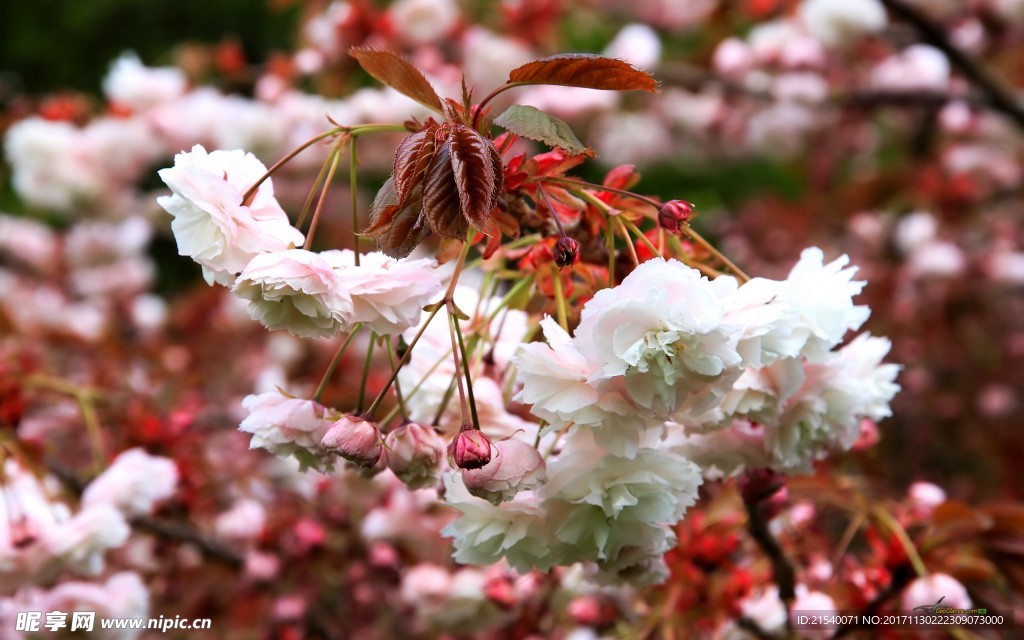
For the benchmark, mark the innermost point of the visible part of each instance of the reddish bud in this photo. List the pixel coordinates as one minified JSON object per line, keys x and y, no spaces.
{"x":470,"y":449}
{"x":355,"y":439}
{"x":23,"y":533}
{"x":566,"y":252}
{"x":759,"y":485}
{"x":673,"y":214}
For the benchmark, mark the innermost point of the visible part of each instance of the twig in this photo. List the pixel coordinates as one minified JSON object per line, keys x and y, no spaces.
{"x":167,"y":529}
{"x":782,"y":569}
{"x":997,"y":96}
{"x":181,"y":532}
{"x":901,"y":577}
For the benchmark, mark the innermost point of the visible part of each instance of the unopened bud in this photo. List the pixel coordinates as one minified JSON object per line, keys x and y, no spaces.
{"x":673,"y":214}
{"x":758,"y":485}
{"x":470,"y":449}
{"x":354,"y":438}
{"x":413,"y":453}
{"x":566,"y":252}
{"x":515,"y":467}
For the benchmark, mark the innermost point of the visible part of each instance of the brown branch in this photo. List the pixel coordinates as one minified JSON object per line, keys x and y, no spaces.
{"x":901,"y":577}
{"x":168,"y":529}
{"x":997,"y":96}
{"x":782,"y":569}
{"x":182,"y":532}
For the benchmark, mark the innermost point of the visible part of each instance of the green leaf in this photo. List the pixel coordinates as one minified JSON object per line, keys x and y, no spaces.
{"x":532,"y":123}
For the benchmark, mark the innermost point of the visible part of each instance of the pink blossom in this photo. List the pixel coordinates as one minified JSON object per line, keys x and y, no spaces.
{"x":211,"y":223}
{"x":295,"y":290}
{"x":133,"y":483}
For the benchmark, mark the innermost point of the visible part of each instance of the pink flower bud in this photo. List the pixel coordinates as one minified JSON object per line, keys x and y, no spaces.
{"x":470,"y":449}
{"x":759,"y":485}
{"x":516,"y":466}
{"x":355,"y":439}
{"x":413,"y":453}
{"x":566,"y":252}
{"x":673,"y":214}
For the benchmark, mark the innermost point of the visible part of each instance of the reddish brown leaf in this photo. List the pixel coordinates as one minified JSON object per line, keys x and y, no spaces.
{"x":412,"y":158}
{"x":396,"y":230}
{"x":441,"y":205}
{"x":398,"y":73}
{"x":473,"y":167}
{"x":584,"y":70}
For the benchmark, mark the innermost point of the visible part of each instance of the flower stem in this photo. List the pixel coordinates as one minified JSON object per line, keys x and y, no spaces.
{"x":250,"y":193}
{"x":452,"y":320}
{"x":901,"y":534}
{"x":598,"y":187}
{"x":560,"y":306}
{"x":464,"y":356}
{"x":394,"y":367}
{"x":353,"y":163}
{"x":323,"y":198}
{"x":434,"y":309}
{"x":625,"y":236}
{"x":312,"y":193}
{"x":334,"y":363}
{"x":699,"y":239}
{"x":609,"y":243}
{"x":640,"y":236}
{"x":366,"y":374}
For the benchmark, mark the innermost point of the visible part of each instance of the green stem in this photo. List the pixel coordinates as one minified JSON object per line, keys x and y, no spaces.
{"x":405,"y":358}
{"x":625,"y":236}
{"x":312,"y":192}
{"x":453,"y":320}
{"x":250,"y":193}
{"x":366,"y":374}
{"x":560,"y":306}
{"x":416,"y":388}
{"x":609,"y":243}
{"x":398,"y":389}
{"x":334,"y":363}
{"x":641,"y":236}
{"x":323,"y":199}
{"x":464,"y":356}
{"x":353,"y":162}
{"x":901,"y":535}
{"x":444,"y":401}
{"x":699,"y":239}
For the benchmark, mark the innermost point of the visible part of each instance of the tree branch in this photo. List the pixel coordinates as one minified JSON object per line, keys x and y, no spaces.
{"x":182,"y":532}
{"x":997,"y":96}
{"x":167,"y":529}
{"x":901,"y":577}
